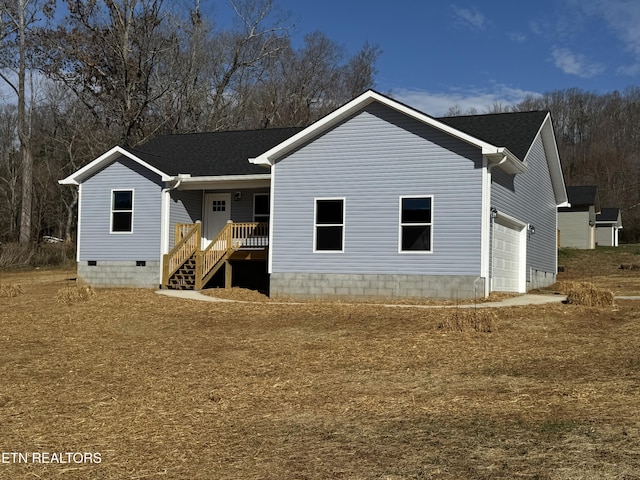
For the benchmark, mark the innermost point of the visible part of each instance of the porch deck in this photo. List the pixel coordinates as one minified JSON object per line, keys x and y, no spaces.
{"x":188,"y":266}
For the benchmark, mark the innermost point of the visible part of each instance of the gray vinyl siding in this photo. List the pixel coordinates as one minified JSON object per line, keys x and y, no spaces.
{"x":514,"y":195}
{"x":371,"y":160}
{"x":575,"y":231}
{"x":605,"y":235}
{"x":185,"y":207}
{"x":96,"y":241}
{"x":242,"y":210}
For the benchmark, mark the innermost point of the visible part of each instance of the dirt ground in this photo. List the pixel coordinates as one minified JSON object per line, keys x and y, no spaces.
{"x":158,"y":387}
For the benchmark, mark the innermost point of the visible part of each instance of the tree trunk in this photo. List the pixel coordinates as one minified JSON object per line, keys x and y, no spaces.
{"x":23,"y":132}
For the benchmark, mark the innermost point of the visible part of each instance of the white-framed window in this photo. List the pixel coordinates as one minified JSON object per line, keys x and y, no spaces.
{"x":416,"y":224}
{"x":121,"y":211}
{"x":261,"y":207}
{"x":329,"y":225}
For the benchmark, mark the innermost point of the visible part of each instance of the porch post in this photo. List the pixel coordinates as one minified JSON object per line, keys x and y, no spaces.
{"x":198,"y":273}
{"x":227,"y":274}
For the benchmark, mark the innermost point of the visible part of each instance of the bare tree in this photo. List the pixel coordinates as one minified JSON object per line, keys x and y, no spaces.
{"x":299,"y":87}
{"x":9,"y":173}
{"x":238,"y":57}
{"x":17,"y":19}
{"x":112,"y":55}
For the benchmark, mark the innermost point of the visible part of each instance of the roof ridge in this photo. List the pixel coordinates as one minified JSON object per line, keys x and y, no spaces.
{"x":476,"y":115}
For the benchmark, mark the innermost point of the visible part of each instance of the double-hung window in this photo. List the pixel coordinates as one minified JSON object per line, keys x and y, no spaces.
{"x":261,"y":207}
{"x":416,"y":222}
{"x":121,"y":211}
{"x":329,"y":225}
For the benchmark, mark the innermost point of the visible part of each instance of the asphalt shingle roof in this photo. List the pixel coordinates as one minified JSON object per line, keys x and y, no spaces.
{"x":582,"y":195}
{"x":515,"y":131}
{"x":213,"y":153}
{"x":227,"y":153}
{"x":608,"y":214}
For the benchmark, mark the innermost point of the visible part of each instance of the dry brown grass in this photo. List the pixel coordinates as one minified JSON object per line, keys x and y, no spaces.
{"x":170,"y":388}
{"x":75,"y":294}
{"x":10,"y":290}
{"x":601,"y":267}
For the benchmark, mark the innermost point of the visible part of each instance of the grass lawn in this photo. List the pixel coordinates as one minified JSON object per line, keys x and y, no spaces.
{"x":168,"y":388}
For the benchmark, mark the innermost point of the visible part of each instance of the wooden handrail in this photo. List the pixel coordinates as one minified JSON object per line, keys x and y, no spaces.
{"x":188,"y":244}
{"x":250,"y":235}
{"x":216,"y":249}
{"x":234,"y":236}
{"x":182,"y":229}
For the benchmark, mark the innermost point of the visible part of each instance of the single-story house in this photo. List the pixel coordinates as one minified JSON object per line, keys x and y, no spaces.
{"x":374,"y":199}
{"x":577,"y":222}
{"x":608,"y":226}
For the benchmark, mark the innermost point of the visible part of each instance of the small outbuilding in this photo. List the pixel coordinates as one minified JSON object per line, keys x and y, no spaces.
{"x":608,"y":226}
{"x":577,"y":222}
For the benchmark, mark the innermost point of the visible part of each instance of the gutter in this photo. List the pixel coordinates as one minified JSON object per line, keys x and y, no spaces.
{"x":506,"y":160}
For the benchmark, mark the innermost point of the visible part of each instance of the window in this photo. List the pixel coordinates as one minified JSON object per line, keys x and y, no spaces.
{"x":122,"y":211}
{"x":261,"y":207}
{"x":415,"y":224}
{"x":329,"y":224}
{"x":219,"y":205}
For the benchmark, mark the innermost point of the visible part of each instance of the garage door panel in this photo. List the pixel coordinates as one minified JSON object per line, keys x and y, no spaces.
{"x":505,"y":258}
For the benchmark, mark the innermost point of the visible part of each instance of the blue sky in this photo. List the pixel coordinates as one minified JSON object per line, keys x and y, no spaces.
{"x":437,"y":54}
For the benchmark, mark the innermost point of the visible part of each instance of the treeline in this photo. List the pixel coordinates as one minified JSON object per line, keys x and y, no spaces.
{"x":598,"y":139}
{"x":89,"y":74}
{"x":599,"y":143}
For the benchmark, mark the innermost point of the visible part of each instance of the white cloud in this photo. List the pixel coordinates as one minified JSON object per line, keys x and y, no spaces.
{"x":516,"y":37}
{"x":629,"y":70}
{"x":575,"y":64}
{"x":621,"y":16}
{"x":470,"y":17}
{"x":438,"y":104}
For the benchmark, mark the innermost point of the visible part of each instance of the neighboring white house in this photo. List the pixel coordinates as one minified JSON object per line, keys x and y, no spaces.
{"x":375,"y":199}
{"x":608,"y":226}
{"x":577,"y":223}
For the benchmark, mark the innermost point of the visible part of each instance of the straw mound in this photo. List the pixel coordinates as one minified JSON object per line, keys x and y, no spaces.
{"x":75,"y":294}
{"x":584,"y":293}
{"x":8,"y":291}
{"x":468,"y":320}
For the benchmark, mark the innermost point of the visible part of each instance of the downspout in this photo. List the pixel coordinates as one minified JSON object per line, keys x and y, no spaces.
{"x":164,"y":221}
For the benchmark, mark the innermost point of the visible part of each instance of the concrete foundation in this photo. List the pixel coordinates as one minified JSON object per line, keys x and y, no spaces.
{"x":326,"y":285}
{"x":141,"y":274}
{"x":538,"y":279}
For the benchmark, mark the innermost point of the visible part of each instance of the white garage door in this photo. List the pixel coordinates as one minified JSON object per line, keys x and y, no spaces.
{"x":506,"y":258}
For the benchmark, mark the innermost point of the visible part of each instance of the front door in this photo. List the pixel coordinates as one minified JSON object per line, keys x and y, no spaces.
{"x":217,"y":212}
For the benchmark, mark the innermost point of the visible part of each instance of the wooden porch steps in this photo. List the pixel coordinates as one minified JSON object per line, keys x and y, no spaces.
{"x":185,"y":277}
{"x":189,"y":267}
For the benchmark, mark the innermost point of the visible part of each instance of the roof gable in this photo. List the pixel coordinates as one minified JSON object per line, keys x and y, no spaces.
{"x":196,"y":155}
{"x":497,"y":153}
{"x":107,"y":158}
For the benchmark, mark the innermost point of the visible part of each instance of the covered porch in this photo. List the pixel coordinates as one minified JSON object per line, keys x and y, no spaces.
{"x":194,"y":260}
{"x":209,"y":225}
